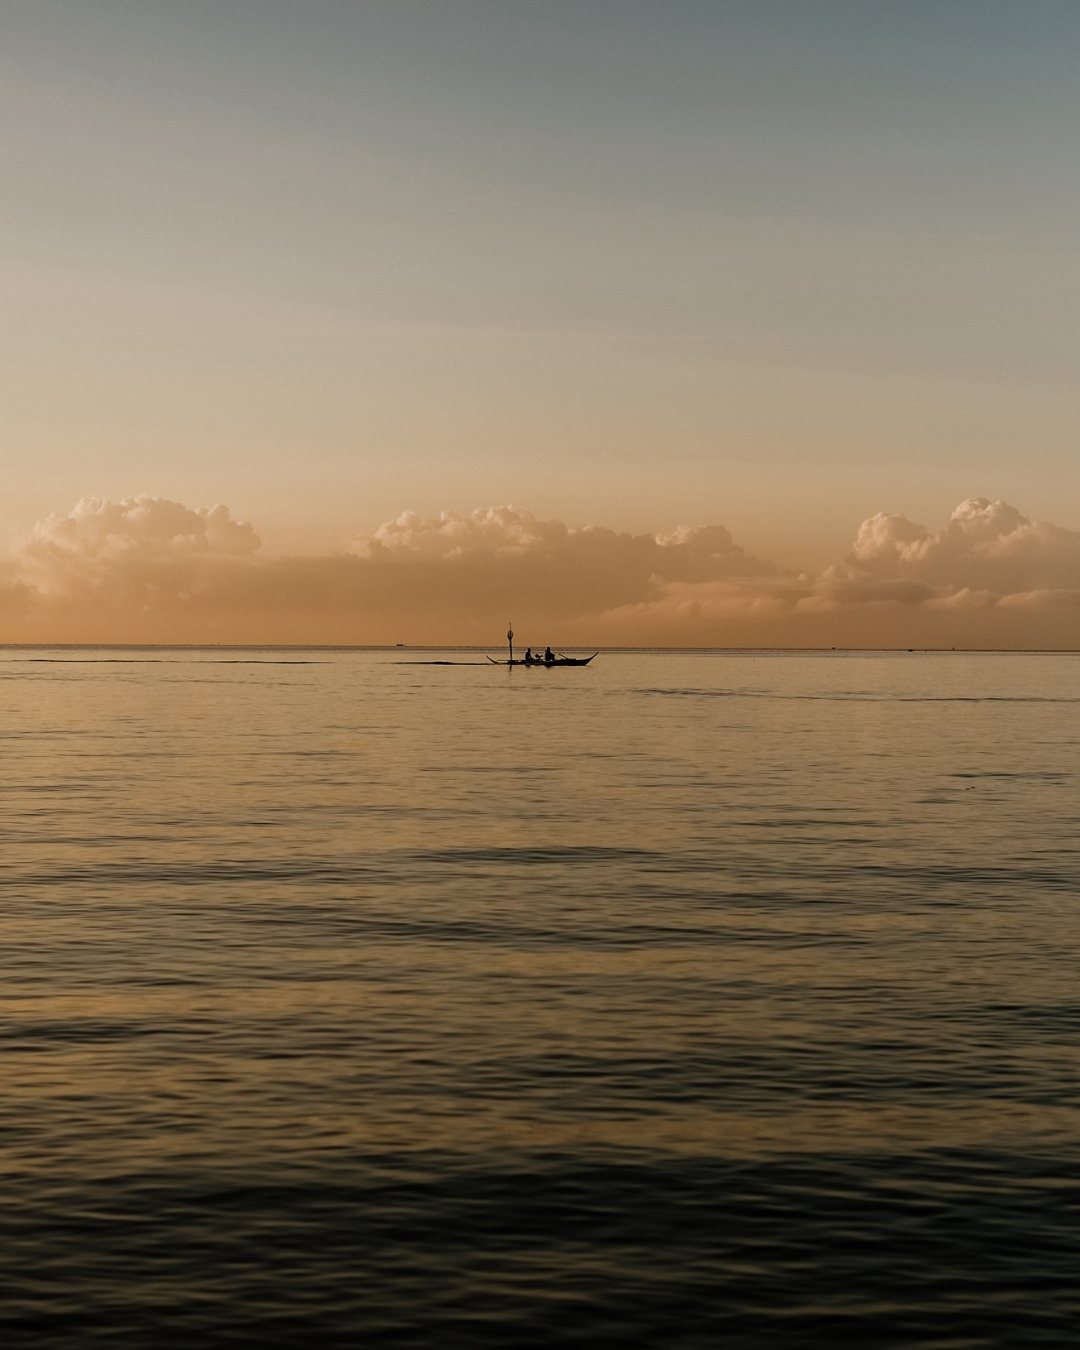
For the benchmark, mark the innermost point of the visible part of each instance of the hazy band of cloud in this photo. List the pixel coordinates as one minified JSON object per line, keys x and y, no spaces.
{"x":149,"y":569}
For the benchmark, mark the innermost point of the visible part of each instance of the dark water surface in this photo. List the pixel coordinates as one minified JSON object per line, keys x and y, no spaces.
{"x":680,"y":1001}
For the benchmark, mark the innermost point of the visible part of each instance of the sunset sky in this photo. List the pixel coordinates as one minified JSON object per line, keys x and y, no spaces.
{"x":689,"y":321}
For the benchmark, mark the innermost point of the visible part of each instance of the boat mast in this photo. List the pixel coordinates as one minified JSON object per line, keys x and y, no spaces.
{"x":510,"y":639}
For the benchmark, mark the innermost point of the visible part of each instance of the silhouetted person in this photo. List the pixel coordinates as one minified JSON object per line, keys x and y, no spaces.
{"x":528,"y":658}
{"x":549,"y":656}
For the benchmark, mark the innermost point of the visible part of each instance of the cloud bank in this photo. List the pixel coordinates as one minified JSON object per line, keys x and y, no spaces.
{"x":99,"y":542}
{"x":147,"y":569}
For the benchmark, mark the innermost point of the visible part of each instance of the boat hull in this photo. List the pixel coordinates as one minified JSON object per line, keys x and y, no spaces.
{"x":547,"y":665}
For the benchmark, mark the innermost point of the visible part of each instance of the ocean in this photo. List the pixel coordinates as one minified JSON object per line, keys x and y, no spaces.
{"x":685,"y":1000}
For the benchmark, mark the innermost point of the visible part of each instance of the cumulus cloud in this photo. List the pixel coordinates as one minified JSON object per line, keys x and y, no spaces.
{"x":990,"y":576}
{"x":498,"y":530}
{"x":99,"y":541}
{"x":688,"y":553}
{"x":152,"y":526}
{"x":986,"y":547}
{"x":150,"y":569}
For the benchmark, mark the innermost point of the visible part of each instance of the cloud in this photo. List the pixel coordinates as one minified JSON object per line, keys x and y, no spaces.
{"x":152,"y":526}
{"x":688,"y":553}
{"x":986,"y":546}
{"x":155,"y":570}
{"x":101,"y":541}
{"x":499,"y":531}
{"x":989,"y":577}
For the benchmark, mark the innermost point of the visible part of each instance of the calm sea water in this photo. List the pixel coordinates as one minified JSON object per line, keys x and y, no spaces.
{"x":685,"y":1000}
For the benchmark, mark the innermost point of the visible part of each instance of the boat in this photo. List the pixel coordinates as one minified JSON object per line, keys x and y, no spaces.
{"x":539,"y":661}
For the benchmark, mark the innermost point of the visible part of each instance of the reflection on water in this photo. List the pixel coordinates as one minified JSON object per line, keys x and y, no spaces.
{"x":682,"y":1000}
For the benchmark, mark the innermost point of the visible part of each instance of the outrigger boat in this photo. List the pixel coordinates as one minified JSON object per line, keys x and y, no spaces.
{"x":539,"y":660}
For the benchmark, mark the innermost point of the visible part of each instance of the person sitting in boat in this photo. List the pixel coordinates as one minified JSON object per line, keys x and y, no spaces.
{"x":549,"y":656}
{"x":528,"y":658}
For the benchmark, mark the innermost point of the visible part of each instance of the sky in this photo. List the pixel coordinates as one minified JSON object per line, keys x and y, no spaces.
{"x":699,"y":321}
